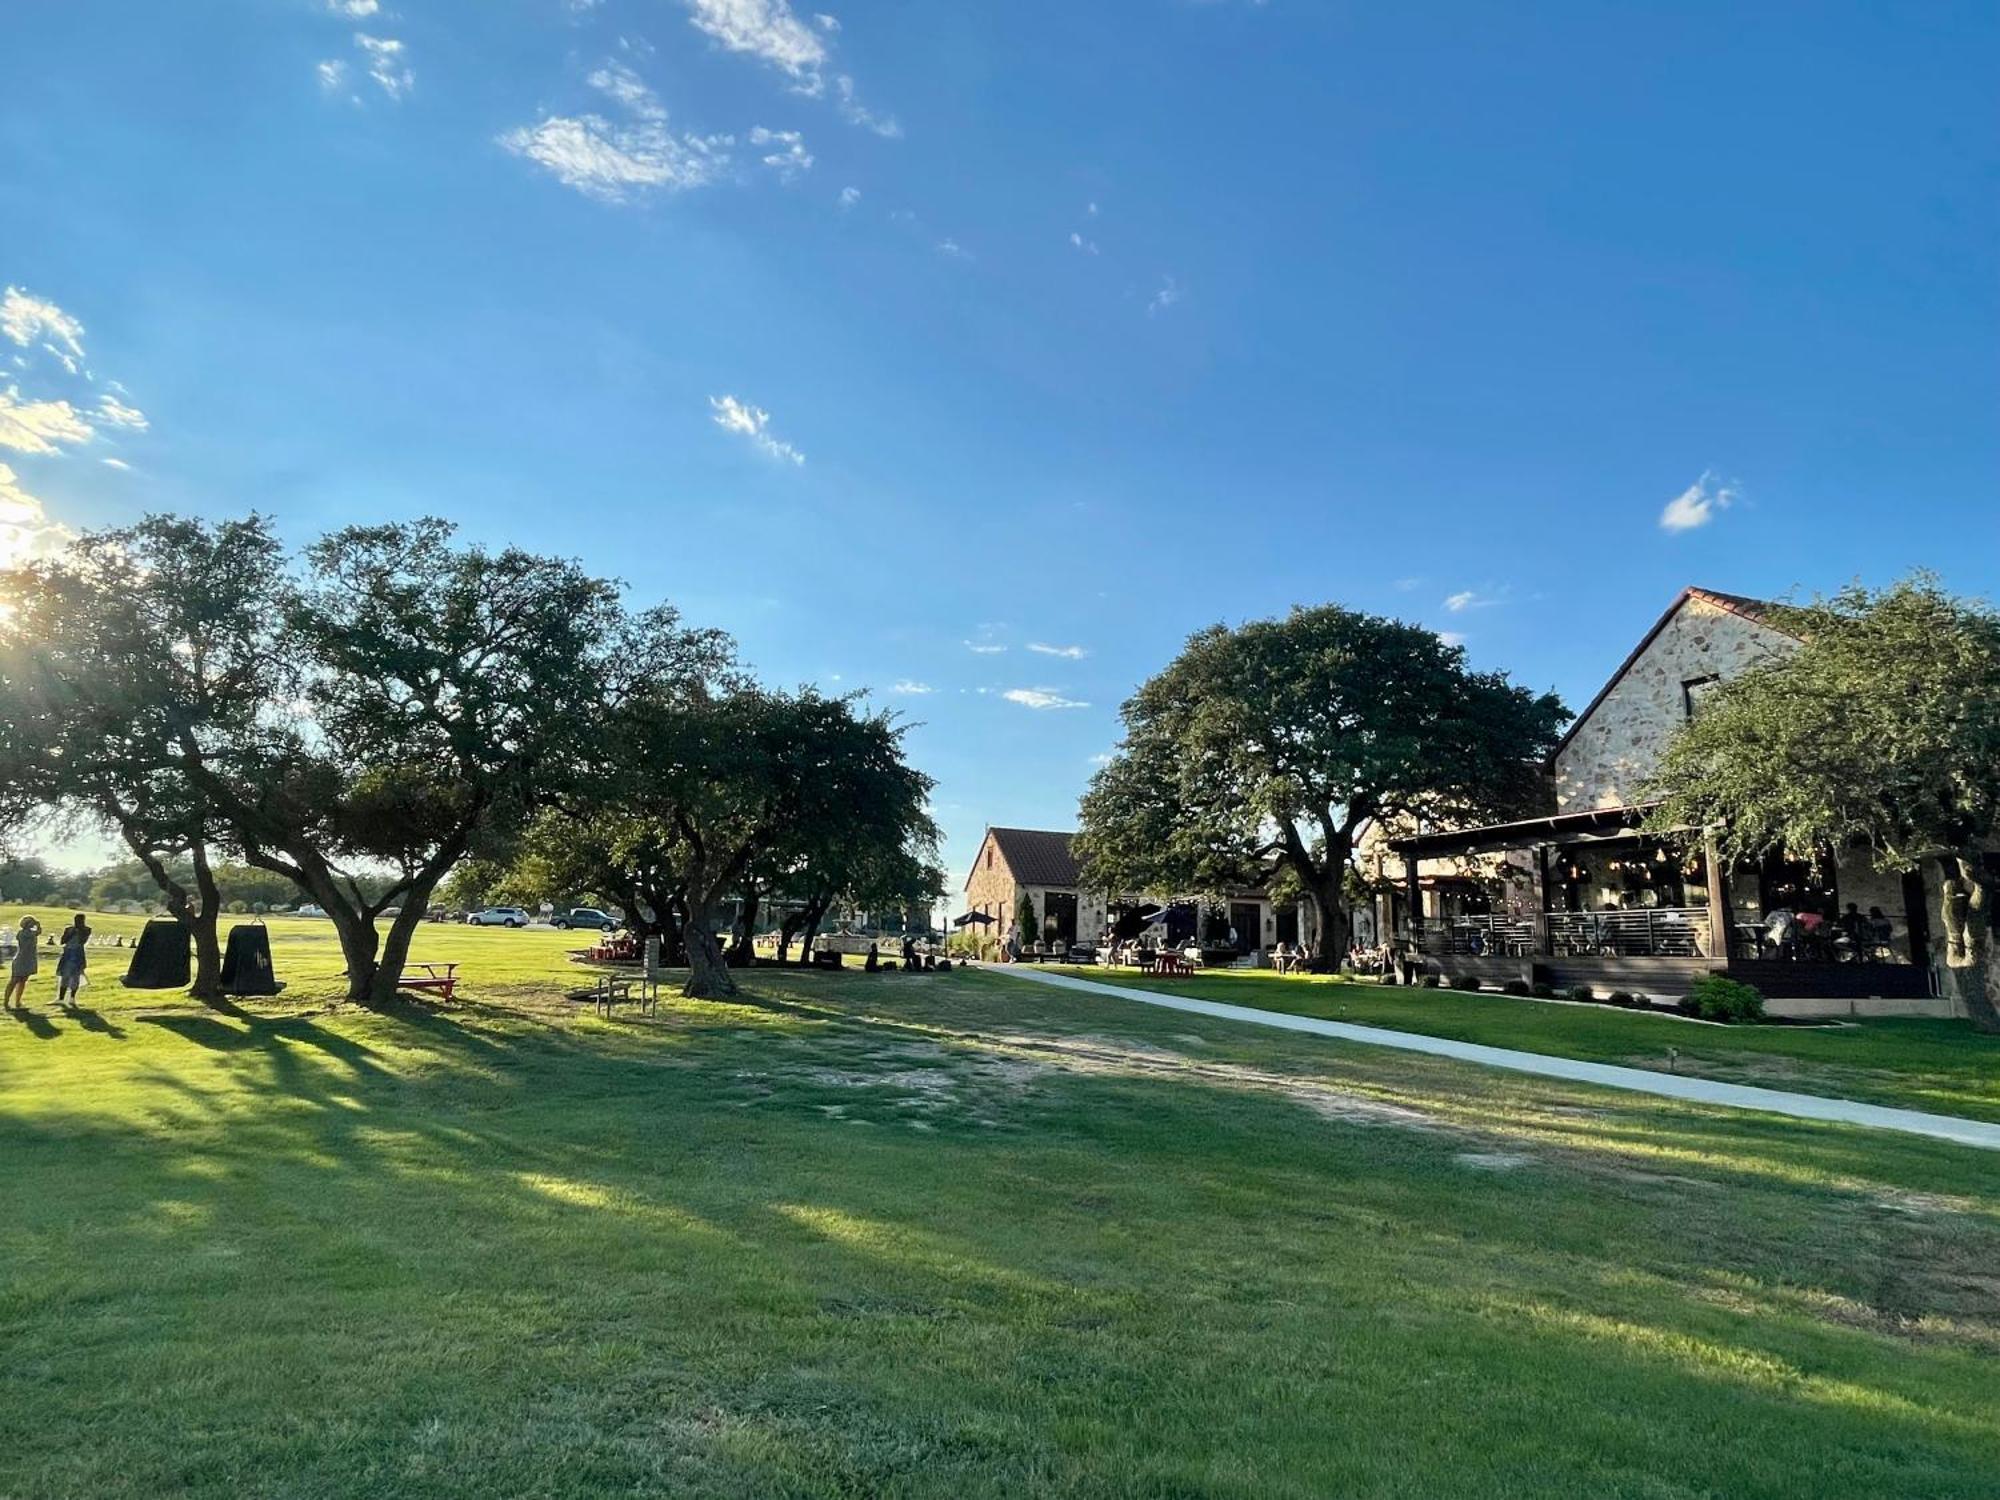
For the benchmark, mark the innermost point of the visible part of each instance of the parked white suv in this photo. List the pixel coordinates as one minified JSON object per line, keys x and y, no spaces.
{"x":498,"y":916}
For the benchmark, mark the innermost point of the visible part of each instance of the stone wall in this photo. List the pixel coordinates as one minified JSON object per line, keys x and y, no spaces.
{"x":1617,"y":748}
{"x":991,"y":888}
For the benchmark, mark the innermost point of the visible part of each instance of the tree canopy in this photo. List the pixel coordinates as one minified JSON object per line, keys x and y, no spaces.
{"x":1274,"y":743}
{"x":1881,"y":730}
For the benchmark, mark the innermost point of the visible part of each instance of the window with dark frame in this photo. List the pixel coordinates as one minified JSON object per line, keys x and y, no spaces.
{"x":1694,"y":690}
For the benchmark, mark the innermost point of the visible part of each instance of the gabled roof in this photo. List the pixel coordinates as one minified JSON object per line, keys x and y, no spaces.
{"x":1757,"y":611}
{"x":1036,"y":856}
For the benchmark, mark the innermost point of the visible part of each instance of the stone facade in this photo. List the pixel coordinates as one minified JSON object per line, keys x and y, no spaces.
{"x":1615,"y":748}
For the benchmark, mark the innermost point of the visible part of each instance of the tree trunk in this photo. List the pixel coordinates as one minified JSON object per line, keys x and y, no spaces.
{"x":202,"y":923}
{"x":198,"y":912}
{"x":1330,"y":923}
{"x":1972,"y":963}
{"x":396,"y":950}
{"x":359,"y":944}
{"x":815,"y":914}
{"x":708,"y":976}
{"x":743,"y":952}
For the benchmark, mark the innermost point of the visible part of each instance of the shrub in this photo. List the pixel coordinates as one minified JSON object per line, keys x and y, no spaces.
{"x":1541,"y":989}
{"x":237,"y":908}
{"x":1516,"y":987}
{"x":1430,"y":981}
{"x":1466,"y":982}
{"x":1579,"y":992}
{"x":1718,"y":998}
{"x":1622,"y":997}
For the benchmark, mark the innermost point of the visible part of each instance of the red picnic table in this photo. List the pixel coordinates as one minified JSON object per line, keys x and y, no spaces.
{"x":440,"y":979}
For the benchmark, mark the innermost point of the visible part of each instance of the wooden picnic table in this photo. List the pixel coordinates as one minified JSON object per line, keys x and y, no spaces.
{"x":439,"y":979}
{"x":1170,"y":964}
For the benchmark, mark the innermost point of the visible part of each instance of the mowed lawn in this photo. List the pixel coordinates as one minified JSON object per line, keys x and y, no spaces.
{"x":1944,"y":1067}
{"x":941,"y":1235}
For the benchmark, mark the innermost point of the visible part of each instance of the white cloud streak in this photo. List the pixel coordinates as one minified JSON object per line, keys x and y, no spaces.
{"x":26,"y":318}
{"x":912,"y":689}
{"x":40,"y":427}
{"x":1069,"y":653}
{"x":754,"y":423}
{"x":1041,"y":699}
{"x":1698,"y":504}
{"x":787,"y":154}
{"x":616,"y":161}
{"x":772,"y":33}
{"x":387,"y":64}
{"x":25,"y":528}
{"x":1170,"y":292}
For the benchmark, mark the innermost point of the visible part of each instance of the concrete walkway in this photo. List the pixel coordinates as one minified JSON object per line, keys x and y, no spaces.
{"x":1605,"y":1075}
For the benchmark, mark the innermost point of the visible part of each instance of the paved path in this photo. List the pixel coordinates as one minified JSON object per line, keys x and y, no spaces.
{"x":1638,"y":1080}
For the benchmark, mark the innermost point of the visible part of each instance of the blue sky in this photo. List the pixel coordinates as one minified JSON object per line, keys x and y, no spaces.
{"x":975,"y":354}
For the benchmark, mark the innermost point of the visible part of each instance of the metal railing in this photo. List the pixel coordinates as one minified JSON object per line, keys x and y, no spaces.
{"x":1648,"y":932}
{"x":1645,"y":932}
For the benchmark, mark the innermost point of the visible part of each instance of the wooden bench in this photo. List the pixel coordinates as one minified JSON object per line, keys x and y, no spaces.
{"x":1169,"y":964}
{"x":437,"y":979}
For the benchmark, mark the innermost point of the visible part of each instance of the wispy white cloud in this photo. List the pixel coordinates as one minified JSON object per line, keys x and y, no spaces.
{"x":1452,"y":637}
{"x":1170,"y":292}
{"x":1071,"y":653}
{"x":387,"y":64}
{"x":912,"y":689}
{"x":1041,"y":698}
{"x":1077,"y":241}
{"x":1102,"y":758}
{"x":767,"y":30}
{"x":849,"y":196}
{"x":116,"y":463}
{"x":42,"y":427}
{"x":771,"y":32}
{"x":1698,"y":504}
{"x":951,"y":248}
{"x":1466,"y":599}
{"x":115,"y":413}
{"x":855,"y":112}
{"x":25,"y":528}
{"x":617,"y":160}
{"x":26,"y":319}
{"x":332,"y":74}
{"x":984,"y":648}
{"x":754,"y":423}
{"x":354,"y":10}
{"x":786,"y":152}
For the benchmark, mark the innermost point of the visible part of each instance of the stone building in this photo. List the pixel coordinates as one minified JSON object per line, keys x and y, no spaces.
{"x":1039,"y":864}
{"x":1580,"y":896}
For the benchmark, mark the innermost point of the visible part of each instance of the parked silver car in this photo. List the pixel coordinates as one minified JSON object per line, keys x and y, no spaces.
{"x":498,"y":916}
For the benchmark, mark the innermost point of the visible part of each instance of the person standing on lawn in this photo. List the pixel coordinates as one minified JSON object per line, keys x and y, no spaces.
{"x":27,"y":959}
{"x":71,"y":960}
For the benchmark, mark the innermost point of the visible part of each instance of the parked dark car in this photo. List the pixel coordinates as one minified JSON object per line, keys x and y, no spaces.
{"x":584,"y":916}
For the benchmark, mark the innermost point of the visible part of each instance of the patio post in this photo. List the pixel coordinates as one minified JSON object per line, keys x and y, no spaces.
{"x":1718,"y":897}
{"x":1415,"y":896}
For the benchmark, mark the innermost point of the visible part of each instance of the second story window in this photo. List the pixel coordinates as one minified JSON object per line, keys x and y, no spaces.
{"x":1695,"y":691}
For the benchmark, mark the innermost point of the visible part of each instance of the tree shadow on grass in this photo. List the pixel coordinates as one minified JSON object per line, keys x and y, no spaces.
{"x":267,"y":1036}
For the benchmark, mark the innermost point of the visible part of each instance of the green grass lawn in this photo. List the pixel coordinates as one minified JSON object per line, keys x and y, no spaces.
{"x":1945,"y":1067}
{"x":941,"y":1235}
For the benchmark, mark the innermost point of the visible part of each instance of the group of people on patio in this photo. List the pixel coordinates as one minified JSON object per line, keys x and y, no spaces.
{"x":1847,"y":938}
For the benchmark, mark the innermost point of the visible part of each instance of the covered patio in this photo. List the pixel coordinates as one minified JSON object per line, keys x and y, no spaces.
{"x":1597,"y":901}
